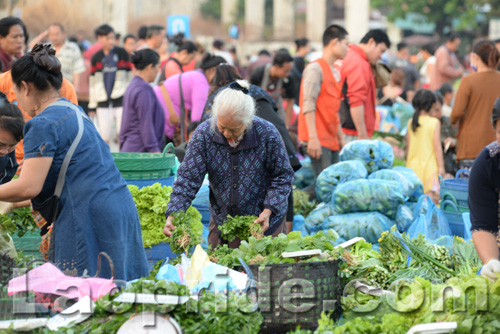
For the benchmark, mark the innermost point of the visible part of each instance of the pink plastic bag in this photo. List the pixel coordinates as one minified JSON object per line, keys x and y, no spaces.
{"x":48,"y":279}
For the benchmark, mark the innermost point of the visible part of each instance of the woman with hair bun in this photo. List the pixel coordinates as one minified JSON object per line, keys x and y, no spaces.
{"x":190,"y":90}
{"x":95,"y":211}
{"x":474,"y":101}
{"x":186,"y":51}
{"x":143,"y":118}
{"x":247,"y":165}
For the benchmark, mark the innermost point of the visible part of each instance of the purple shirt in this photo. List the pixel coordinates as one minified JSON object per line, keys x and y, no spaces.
{"x":143,"y":119}
{"x":195,"y":89}
{"x":243,"y":181}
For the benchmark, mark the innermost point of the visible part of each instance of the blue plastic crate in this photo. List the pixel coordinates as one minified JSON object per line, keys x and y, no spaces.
{"x":456,"y":189}
{"x":168,"y":181}
{"x":159,"y":252}
{"x":462,"y":206}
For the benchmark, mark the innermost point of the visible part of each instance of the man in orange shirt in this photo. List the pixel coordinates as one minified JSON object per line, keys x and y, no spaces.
{"x":67,"y":90}
{"x":320,"y":96}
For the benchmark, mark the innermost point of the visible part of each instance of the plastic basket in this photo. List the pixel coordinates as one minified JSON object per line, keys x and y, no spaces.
{"x":460,"y":184}
{"x":145,"y":165}
{"x":168,"y":181}
{"x":29,"y":243}
{"x":7,"y":265}
{"x":462,"y":206}
{"x":454,"y":216}
{"x":295,"y":294}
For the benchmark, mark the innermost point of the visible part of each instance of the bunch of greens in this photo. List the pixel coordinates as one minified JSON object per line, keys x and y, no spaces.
{"x":301,"y":203}
{"x":19,"y":220}
{"x":151,"y":203}
{"x":242,"y":227}
{"x":268,"y":250}
{"x":187,"y":232}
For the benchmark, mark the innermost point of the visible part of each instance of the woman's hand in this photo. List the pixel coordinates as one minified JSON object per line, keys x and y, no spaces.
{"x":6,"y":207}
{"x":169,"y":227}
{"x":263,"y":219}
{"x":173,"y":118}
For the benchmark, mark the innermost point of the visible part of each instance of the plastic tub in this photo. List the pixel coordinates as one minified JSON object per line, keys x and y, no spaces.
{"x":168,"y":181}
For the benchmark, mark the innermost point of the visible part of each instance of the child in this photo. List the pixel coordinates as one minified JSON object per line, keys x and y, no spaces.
{"x":423,"y":142}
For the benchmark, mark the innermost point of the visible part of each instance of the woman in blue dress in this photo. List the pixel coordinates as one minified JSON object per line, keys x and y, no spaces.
{"x":96,"y":210}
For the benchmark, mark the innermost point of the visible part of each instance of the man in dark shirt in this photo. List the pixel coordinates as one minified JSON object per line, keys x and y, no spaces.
{"x":276,"y":79}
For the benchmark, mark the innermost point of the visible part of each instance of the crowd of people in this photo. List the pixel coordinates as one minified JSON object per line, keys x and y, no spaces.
{"x":146,"y":90}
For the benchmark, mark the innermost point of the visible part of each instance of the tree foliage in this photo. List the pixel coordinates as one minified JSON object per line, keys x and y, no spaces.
{"x":441,"y":12}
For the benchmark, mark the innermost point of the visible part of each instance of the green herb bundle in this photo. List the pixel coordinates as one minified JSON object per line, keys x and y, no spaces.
{"x":242,"y":227}
{"x":187,"y":232}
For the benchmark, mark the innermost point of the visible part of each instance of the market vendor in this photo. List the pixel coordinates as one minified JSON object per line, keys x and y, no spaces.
{"x":484,"y":202}
{"x":96,"y":210}
{"x":11,"y":133}
{"x":247,"y":164}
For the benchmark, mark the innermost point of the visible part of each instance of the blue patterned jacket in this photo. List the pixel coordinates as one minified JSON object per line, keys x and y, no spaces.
{"x":243,"y":181}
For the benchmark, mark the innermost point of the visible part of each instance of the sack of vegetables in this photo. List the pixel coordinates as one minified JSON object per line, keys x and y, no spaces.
{"x":375,"y":154}
{"x":411,"y":176}
{"x":314,"y":221}
{"x":336,"y":174}
{"x":368,"y":225}
{"x":368,"y":196}
{"x":407,"y":187}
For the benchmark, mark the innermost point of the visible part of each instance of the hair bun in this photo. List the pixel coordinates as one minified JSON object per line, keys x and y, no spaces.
{"x":136,"y":57}
{"x":45,"y":57}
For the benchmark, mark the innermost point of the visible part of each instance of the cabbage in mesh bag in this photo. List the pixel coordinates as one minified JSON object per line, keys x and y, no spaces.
{"x":314,"y":221}
{"x":411,"y":176}
{"x":375,"y":154}
{"x":368,"y":225}
{"x":407,"y":187}
{"x":336,"y":174}
{"x":367,"y":196}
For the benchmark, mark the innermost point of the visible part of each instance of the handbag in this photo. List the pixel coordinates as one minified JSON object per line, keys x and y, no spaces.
{"x":49,"y":209}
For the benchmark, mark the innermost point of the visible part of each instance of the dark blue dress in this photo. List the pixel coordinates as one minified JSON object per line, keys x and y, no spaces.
{"x":98,"y":213}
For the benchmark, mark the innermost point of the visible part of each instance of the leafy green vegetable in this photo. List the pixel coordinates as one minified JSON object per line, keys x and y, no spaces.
{"x":212,"y":314}
{"x":268,"y":250}
{"x":242,"y":227}
{"x":187,"y":233}
{"x":19,"y":220}
{"x":301,"y":203}
{"x":151,"y":203}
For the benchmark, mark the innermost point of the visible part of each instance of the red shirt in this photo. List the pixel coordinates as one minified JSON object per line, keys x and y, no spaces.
{"x":360,"y":86}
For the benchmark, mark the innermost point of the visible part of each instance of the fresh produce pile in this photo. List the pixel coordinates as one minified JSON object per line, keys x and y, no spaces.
{"x":420,"y":272}
{"x":367,"y":196}
{"x":187,"y":232}
{"x":213,"y":313}
{"x":242,"y":227}
{"x":375,"y":154}
{"x":363,"y":196}
{"x":18,"y":221}
{"x":337,"y":174}
{"x":268,"y":250}
{"x":301,"y":203}
{"x":151,"y":203}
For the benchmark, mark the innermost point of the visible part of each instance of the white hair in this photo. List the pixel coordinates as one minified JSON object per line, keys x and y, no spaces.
{"x":235,"y":104}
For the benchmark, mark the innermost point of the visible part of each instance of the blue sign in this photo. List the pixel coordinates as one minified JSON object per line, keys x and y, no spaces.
{"x":177,"y":24}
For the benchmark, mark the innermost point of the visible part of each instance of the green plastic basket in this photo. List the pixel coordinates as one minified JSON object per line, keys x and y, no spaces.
{"x":29,"y":243}
{"x":134,"y":166}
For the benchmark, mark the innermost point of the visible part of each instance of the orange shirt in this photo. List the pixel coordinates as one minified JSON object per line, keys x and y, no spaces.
{"x":67,"y":90}
{"x":327,"y":106}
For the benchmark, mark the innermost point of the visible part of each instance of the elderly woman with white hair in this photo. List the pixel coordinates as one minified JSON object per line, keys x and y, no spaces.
{"x":247,"y":164}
